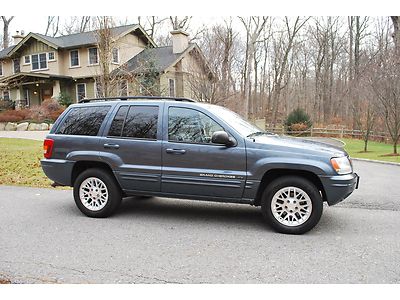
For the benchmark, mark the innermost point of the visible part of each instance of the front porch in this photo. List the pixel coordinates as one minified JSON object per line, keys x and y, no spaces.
{"x":30,"y":89}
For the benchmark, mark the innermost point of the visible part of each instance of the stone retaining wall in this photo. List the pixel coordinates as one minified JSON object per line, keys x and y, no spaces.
{"x":25,"y":126}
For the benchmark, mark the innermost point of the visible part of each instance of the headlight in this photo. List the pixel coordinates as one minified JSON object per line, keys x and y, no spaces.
{"x":342,"y":165}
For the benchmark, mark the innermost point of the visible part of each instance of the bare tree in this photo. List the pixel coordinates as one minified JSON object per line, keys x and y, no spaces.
{"x":283,"y":45}
{"x":6,"y":34}
{"x":396,"y":32}
{"x":106,"y":83}
{"x":53,"y":23}
{"x":254,"y":27}
{"x":385,"y":81}
{"x":151,"y":24}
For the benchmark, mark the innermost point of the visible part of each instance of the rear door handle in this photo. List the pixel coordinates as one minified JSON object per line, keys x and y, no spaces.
{"x":111,"y":146}
{"x":175,"y":151}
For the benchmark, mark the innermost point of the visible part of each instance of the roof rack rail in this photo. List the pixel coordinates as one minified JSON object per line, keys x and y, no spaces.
{"x":126,"y":98}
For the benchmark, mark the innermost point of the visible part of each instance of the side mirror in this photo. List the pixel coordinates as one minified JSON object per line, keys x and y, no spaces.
{"x":221,"y":137}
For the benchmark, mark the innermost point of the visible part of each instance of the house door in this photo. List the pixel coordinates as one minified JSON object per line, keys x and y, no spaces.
{"x":47,"y":93}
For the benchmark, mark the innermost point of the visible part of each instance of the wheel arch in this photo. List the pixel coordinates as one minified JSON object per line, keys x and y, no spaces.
{"x":83,"y":165}
{"x":273,"y":174}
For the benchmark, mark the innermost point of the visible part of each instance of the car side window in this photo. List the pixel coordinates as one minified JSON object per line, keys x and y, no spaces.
{"x":190,"y":126}
{"x":83,"y":121}
{"x":118,"y":122}
{"x":136,"y":121}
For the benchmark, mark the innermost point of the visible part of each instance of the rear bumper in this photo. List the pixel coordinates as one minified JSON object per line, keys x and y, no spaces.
{"x":339,"y":187}
{"x":58,"y":170}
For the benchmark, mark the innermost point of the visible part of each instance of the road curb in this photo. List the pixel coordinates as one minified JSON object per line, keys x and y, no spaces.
{"x":377,"y":161}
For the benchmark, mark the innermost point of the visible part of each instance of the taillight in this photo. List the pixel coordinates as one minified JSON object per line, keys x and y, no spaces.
{"x":48,"y":147}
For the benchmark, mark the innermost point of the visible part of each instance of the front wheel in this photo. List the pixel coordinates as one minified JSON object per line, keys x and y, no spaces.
{"x":292,"y":205}
{"x":97,"y":193}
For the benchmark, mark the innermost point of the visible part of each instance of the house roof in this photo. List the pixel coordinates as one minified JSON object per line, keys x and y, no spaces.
{"x":160,"y":58}
{"x":5,"y":51}
{"x":84,"y":38}
{"x":76,"y":39}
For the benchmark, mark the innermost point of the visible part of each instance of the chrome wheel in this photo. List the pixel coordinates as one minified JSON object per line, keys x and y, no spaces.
{"x":291,"y":206}
{"x":93,"y":193}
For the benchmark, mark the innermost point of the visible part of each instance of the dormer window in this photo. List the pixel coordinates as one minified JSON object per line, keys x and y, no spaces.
{"x":93,"y":56}
{"x":39,"y":61}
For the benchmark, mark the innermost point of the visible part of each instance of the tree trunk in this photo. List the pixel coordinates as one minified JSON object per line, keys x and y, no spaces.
{"x":6,"y":36}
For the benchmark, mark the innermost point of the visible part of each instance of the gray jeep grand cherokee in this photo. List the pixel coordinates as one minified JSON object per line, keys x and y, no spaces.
{"x":174,"y":147}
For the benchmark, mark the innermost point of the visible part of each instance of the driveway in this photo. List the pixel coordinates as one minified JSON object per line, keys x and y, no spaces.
{"x":44,"y":238}
{"x":30,"y":135}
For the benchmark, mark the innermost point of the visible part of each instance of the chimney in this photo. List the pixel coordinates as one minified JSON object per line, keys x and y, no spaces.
{"x":17,"y":37}
{"x":180,"y":41}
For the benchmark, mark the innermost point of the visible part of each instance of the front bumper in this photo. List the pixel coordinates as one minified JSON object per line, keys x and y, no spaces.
{"x":339,"y":187}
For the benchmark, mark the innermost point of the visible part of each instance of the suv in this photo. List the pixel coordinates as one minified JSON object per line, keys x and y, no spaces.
{"x":107,"y":149}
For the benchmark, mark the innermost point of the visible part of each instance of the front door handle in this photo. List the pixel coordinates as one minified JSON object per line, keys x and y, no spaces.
{"x":175,"y":151}
{"x":111,"y":146}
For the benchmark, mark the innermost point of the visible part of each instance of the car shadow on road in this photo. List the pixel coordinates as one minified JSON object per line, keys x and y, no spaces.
{"x":194,"y":211}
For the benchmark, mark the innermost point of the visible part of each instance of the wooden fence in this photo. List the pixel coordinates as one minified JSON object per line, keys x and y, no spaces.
{"x":326,"y":132}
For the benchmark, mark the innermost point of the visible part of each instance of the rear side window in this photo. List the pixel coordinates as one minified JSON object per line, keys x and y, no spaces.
{"x":83,"y":121}
{"x":135,"y":122}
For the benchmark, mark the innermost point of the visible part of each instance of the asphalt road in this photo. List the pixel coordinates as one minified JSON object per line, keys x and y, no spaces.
{"x":45,"y":239}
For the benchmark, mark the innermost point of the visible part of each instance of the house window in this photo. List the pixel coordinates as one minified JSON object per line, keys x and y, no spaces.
{"x":52,"y":56}
{"x":93,"y":56}
{"x":6,"y":95}
{"x":1,"y":68}
{"x":39,"y":61}
{"x":74,"y":58}
{"x":16,"y":65}
{"x":115,"y":55}
{"x":80,"y":91}
{"x":172,"y":87}
{"x":27,"y":59}
{"x":123,"y":88}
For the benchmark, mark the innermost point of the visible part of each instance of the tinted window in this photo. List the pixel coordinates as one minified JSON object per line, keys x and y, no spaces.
{"x":141,"y":122}
{"x":83,"y":121}
{"x":190,"y":126}
{"x":116,"y":126}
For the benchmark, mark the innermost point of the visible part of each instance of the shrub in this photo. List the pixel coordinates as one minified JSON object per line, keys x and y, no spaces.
{"x":64,"y":99}
{"x":298,"y":127}
{"x":49,"y":111}
{"x":4,"y":105}
{"x":14,"y":115}
{"x":298,"y":116}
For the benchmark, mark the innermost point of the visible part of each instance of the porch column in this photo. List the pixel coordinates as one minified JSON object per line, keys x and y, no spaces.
{"x":19,"y":99}
{"x":56,"y":90}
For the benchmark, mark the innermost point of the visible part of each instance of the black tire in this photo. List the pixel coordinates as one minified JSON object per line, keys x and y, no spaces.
{"x":113,"y":188}
{"x":292,"y":181}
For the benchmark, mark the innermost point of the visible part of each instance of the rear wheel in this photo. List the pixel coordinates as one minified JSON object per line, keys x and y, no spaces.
{"x":96,"y":193}
{"x":292,"y":205}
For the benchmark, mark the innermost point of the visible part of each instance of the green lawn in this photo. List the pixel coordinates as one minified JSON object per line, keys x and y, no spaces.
{"x":20,"y":163}
{"x":375,"y":150}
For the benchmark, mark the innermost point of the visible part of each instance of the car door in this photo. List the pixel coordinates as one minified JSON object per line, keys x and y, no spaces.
{"x":133,"y":145}
{"x":192,"y":164}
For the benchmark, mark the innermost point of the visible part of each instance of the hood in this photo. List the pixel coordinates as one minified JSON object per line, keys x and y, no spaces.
{"x":299,"y":145}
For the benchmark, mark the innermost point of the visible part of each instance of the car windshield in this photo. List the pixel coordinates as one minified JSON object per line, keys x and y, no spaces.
{"x":242,"y":126}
